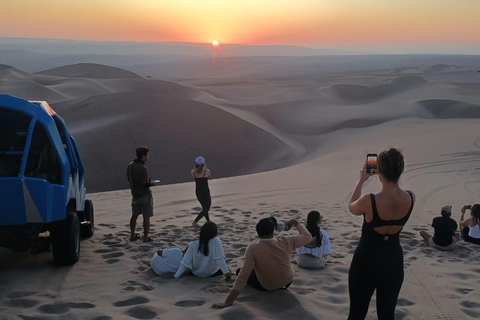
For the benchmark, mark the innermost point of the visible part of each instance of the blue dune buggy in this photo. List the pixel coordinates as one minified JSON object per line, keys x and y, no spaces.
{"x":42,"y":193}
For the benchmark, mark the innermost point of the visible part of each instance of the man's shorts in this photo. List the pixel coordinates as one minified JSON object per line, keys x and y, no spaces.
{"x":445,"y":248}
{"x":143,"y":206}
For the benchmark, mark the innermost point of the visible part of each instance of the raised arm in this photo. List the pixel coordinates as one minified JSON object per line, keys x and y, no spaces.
{"x":464,"y":222}
{"x":303,"y":238}
{"x":358,"y":203}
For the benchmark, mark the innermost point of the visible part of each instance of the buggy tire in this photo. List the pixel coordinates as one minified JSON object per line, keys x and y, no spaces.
{"x":87,"y":229}
{"x":66,"y":240}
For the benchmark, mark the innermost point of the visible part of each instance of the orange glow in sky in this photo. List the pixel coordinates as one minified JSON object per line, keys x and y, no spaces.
{"x":311,"y":23}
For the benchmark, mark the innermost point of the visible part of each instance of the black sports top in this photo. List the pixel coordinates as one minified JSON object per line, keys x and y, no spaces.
{"x":371,"y":236}
{"x":378,"y":222}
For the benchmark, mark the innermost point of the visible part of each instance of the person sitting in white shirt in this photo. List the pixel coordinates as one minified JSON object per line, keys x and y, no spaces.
{"x":312,"y":255}
{"x":166,"y":261}
{"x":205,"y":257}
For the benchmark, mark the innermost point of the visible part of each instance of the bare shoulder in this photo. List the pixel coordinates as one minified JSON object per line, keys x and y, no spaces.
{"x":412,"y":194}
{"x":361,"y":205}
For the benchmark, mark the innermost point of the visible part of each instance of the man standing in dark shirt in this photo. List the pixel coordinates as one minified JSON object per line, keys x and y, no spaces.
{"x":444,"y":237}
{"x":142,"y":201}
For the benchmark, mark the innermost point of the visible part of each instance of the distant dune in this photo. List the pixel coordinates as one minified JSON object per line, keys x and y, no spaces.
{"x":360,"y":94}
{"x":451,"y":109}
{"x":91,"y":70}
{"x":241,"y":124}
{"x":109,"y":127}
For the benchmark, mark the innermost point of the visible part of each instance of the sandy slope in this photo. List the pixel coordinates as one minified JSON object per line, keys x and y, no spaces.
{"x":113,"y":279}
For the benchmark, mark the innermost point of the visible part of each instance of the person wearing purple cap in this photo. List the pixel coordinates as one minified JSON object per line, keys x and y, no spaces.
{"x":445,"y":236}
{"x":201,"y":174}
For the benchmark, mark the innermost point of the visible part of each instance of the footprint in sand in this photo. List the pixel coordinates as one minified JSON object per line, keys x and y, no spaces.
{"x":58,"y":308}
{"x":113,"y":255}
{"x":190,"y":303}
{"x":21,"y":303}
{"x":131,"y":302}
{"x":213,"y":288}
{"x":304,"y":291}
{"x":136,"y":286}
{"x":61,"y":308}
{"x":108,"y":225}
{"x":112,"y":261}
{"x":20,"y":294}
{"x":141,"y":312}
{"x":404,"y":302}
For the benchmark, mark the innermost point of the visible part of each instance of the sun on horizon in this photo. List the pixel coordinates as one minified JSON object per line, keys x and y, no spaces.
{"x":215,"y":43}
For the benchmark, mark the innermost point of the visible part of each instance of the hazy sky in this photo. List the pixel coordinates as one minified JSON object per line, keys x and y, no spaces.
{"x":312,"y":23}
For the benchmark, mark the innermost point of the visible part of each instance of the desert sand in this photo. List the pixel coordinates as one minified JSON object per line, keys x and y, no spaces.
{"x":301,"y":141}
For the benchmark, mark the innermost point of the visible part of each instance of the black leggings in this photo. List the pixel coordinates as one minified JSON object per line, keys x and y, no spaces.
{"x":206,"y":201}
{"x":467,"y":238}
{"x":382,"y":271}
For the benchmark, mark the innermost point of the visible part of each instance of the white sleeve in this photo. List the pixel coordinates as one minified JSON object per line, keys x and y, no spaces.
{"x":219,"y":256}
{"x":327,"y":248}
{"x":181,"y":270}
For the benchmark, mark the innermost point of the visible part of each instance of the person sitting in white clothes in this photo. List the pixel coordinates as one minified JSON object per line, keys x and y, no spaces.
{"x":312,"y":255}
{"x":166,"y":261}
{"x":205,"y":257}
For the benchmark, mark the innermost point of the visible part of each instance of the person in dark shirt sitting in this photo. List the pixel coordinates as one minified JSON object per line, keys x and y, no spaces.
{"x":445,"y":236}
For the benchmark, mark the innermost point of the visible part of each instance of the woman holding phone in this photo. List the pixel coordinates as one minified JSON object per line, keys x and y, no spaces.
{"x":201,"y":174}
{"x":378,"y":260}
{"x":470,"y":227}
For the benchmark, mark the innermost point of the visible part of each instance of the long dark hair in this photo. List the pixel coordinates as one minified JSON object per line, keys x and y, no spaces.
{"x":476,"y":214}
{"x":207,"y":232}
{"x":312,"y":226}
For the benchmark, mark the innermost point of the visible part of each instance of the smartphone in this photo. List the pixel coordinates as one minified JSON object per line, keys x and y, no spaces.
{"x":282,"y":227}
{"x":371,"y":162}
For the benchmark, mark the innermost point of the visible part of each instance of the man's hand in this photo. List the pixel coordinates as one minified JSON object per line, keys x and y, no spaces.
{"x":292,"y":223}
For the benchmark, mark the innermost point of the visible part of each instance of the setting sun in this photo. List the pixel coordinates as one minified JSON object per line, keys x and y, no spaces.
{"x":215,"y":43}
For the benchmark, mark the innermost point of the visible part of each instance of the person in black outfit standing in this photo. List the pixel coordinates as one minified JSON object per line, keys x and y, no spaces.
{"x":445,"y":236}
{"x":201,"y":174}
{"x":377,"y":263}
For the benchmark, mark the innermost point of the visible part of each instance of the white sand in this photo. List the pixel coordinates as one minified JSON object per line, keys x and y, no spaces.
{"x":327,"y":125}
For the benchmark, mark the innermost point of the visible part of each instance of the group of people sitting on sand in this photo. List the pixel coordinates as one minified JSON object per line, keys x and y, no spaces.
{"x":446,"y":236}
{"x":267,"y":263}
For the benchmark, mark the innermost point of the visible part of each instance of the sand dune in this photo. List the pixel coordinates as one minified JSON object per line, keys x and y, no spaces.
{"x":358,"y":94}
{"x":451,"y":109}
{"x":90,"y":70}
{"x":177,"y":130}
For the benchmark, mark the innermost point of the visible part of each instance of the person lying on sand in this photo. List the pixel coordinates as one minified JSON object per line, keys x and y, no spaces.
{"x":205,"y":257}
{"x":312,"y":255}
{"x":445,"y":236}
{"x":267,"y":261}
{"x":470,"y":227}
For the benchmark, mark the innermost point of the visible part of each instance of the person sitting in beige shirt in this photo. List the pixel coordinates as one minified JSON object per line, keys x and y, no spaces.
{"x":267,"y":262}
